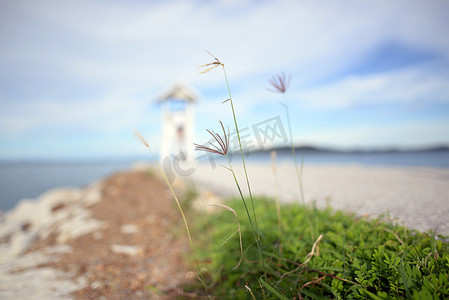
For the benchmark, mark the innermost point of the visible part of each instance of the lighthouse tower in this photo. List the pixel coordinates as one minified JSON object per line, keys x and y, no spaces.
{"x":177,"y":116}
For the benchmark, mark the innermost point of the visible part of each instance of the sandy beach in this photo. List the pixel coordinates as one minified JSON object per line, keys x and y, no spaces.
{"x":418,"y":196}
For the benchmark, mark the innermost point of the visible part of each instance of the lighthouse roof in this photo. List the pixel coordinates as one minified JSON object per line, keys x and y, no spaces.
{"x":180,"y":90}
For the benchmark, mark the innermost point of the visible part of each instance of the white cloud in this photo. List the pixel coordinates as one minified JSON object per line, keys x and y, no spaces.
{"x":402,"y":135}
{"x":314,"y":38}
{"x":380,"y":88}
{"x":104,"y":115}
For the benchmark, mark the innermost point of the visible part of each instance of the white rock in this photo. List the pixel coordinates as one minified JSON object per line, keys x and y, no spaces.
{"x":129,"y":229}
{"x":96,"y":285}
{"x":20,"y":241}
{"x":77,"y":225}
{"x":20,"y":279}
{"x":92,"y":194}
{"x":125,"y":249}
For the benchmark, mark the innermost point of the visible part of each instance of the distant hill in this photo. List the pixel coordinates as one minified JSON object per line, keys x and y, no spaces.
{"x":313,"y":149}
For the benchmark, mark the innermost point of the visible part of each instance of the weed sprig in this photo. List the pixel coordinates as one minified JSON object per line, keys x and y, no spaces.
{"x":280,"y":84}
{"x":206,"y":68}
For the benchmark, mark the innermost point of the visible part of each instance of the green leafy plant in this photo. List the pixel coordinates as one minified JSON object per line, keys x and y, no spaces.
{"x":355,"y":258}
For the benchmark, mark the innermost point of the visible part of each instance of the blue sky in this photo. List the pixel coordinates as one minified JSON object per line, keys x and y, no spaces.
{"x":76,"y":77}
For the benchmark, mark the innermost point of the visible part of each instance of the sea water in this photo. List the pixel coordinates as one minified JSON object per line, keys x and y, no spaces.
{"x":435,"y":159}
{"x":19,"y":180}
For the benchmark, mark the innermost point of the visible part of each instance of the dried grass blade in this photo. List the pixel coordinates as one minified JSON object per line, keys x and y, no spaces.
{"x":250,"y":291}
{"x":226,"y":167}
{"x":226,"y":141}
{"x":239,"y":230}
{"x":309,"y":257}
{"x":214,"y":65}
{"x":206,"y":149}
{"x":229,"y":238}
{"x":141,"y":139}
{"x":216,"y":59}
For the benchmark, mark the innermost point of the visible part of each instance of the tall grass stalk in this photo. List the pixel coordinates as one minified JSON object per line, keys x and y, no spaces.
{"x":278,"y":205}
{"x":298,"y":172}
{"x":210,"y":66}
{"x":186,"y":225}
{"x":280,"y":83}
{"x":241,"y":152}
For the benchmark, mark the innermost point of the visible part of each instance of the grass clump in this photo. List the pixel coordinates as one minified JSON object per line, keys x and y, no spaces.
{"x":354,"y":258}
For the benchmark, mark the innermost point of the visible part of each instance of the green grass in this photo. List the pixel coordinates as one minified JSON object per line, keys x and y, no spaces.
{"x":356,"y":258}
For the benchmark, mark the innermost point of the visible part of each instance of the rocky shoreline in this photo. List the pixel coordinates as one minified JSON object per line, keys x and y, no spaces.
{"x":115,"y":238}
{"x":61,"y":213}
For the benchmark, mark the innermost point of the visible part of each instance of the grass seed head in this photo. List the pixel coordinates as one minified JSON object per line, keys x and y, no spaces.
{"x":210,"y":66}
{"x":280,"y":82}
{"x":223,"y":143}
{"x":141,"y":139}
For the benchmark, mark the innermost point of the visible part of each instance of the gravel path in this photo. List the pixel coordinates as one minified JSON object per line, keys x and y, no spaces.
{"x":417,"y":196}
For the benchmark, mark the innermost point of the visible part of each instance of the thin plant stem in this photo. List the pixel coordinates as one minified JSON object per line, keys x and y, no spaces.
{"x":240,"y":145}
{"x":164,"y":175}
{"x":185,"y":223}
{"x":298,"y":175}
{"x":298,"y":172}
{"x":246,"y":208}
{"x":240,"y":192}
{"x":241,"y":152}
{"x":278,"y":205}
{"x":259,"y":245}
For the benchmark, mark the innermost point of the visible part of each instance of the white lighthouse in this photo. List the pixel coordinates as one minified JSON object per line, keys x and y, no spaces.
{"x":177,"y":116}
